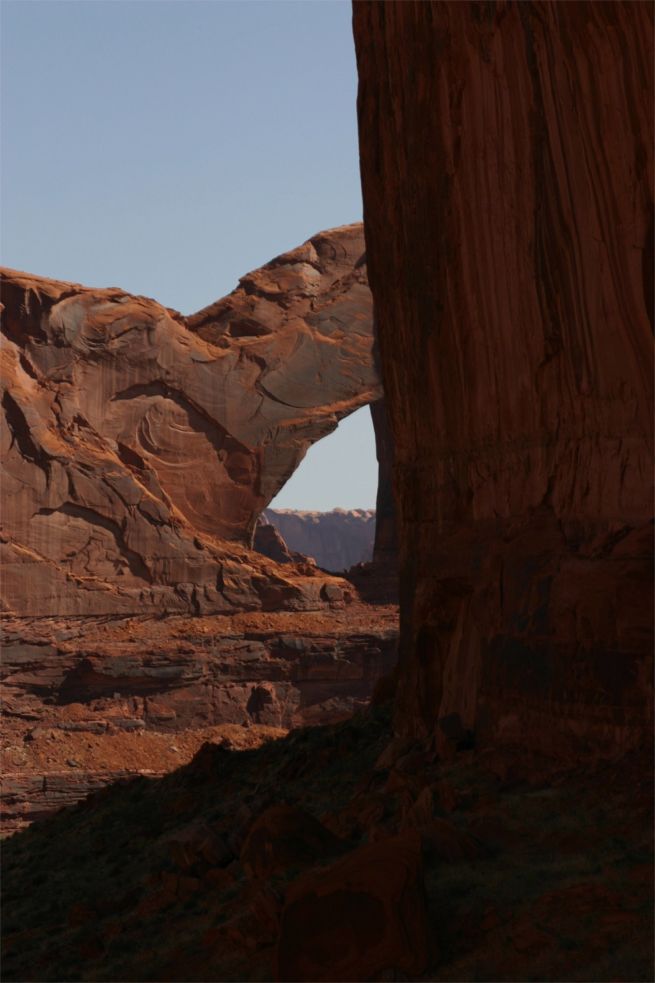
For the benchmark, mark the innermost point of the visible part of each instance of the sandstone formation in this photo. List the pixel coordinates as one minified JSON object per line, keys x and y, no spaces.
{"x":473,"y":836}
{"x":284,"y":836}
{"x":139,"y":446}
{"x":377,"y":580}
{"x":337,"y":539}
{"x":268,"y":541}
{"x":506,"y":153}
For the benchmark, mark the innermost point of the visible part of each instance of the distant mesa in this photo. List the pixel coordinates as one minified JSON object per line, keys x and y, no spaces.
{"x":337,"y":540}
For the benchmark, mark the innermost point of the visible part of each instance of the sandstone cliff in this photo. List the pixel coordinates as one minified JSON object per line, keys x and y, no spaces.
{"x":139,"y":446}
{"x":506,"y":155}
{"x":337,"y":540}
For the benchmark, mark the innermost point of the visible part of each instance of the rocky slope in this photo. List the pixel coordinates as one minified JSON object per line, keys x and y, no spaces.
{"x":323,"y":856}
{"x":507,"y":163}
{"x":337,"y":539}
{"x":139,"y":446}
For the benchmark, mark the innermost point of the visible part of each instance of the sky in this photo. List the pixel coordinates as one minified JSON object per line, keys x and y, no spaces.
{"x":168,"y":147}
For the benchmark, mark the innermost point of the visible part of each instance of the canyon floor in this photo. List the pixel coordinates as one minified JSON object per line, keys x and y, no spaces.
{"x":88,"y":701}
{"x":176,"y":816}
{"x":337,"y":852}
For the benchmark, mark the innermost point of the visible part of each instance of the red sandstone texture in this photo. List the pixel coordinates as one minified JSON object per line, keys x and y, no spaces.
{"x":506,"y":154}
{"x":355,"y":920}
{"x":140,"y":446}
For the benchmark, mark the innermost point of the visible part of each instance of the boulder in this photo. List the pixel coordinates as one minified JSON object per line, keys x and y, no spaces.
{"x":268,"y":540}
{"x":286,"y":836}
{"x":197,"y":845}
{"x":358,"y":919}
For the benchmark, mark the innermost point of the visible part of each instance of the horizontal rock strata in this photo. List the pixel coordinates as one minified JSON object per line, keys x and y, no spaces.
{"x":25,"y":798}
{"x":82,"y":700}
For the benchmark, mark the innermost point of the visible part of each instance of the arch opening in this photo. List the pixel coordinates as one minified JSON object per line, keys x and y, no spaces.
{"x":337,"y":508}
{"x":326,"y":510}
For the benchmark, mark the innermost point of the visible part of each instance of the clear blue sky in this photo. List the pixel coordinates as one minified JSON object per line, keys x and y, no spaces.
{"x":169,"y":146}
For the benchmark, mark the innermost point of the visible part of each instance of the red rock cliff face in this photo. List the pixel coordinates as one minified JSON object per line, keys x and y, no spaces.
{"x":506,"y":155}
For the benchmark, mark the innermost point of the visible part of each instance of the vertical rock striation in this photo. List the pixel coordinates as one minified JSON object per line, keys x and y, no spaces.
{"x":506,"y":156}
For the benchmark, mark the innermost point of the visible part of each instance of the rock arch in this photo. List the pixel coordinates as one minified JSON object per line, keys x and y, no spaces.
{"x":140,"y":446}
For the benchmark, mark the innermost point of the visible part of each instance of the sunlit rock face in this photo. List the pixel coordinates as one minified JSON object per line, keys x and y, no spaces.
{"x":506,"y":155}
{"x":140,"y":446}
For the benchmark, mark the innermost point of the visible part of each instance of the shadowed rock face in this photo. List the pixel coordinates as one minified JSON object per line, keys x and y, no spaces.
{"x":138,"y":444}
{"x":385,"y":553}
{"x":506,"y":154}
{"x":358,"y":918}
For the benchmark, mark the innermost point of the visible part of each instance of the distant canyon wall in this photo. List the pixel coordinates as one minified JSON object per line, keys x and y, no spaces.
{"x":507,"y":167}
{"x":337,"y":540}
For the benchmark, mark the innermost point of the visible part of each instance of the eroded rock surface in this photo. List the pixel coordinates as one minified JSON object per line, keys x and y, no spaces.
{"x":269,"y":541}
{"x":140,"y":446}
{"x":506,"y":154}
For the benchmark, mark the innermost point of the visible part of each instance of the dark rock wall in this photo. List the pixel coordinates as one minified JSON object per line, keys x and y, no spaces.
{"x":506,"y":157}
{"x":385,"y":550}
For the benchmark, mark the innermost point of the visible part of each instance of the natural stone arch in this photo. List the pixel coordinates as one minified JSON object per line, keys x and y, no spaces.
{"x":140,"y":443}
